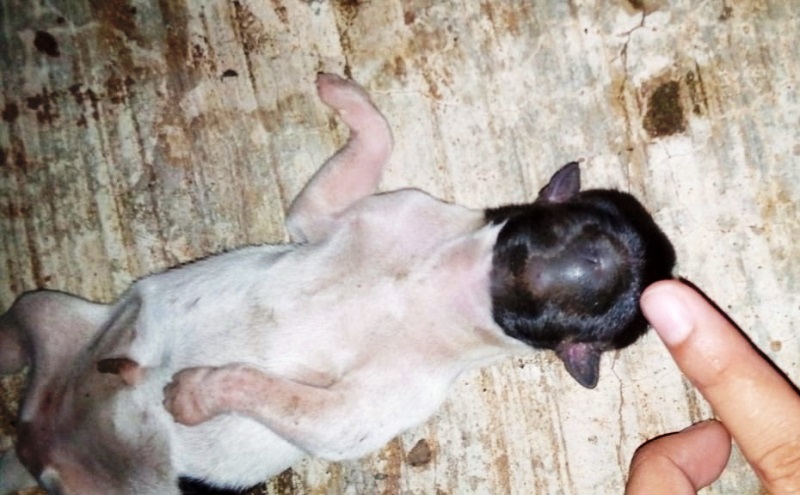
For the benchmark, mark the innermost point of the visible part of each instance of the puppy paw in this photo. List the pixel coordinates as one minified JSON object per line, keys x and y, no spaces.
{"x":188,"y":398}
{"x":341,"y":94}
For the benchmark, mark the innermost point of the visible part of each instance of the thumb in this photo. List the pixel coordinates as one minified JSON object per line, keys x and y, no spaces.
{"x":755,"y":402}
{"x":680,"y":463}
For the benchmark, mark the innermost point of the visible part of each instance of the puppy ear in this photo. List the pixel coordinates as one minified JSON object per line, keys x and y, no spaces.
{"x":582,"y":360}
{"x":563,"y":185}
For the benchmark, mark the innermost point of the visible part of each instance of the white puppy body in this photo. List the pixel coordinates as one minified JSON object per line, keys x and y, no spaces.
{"x":376,"y":322}
{"x":229,"y":369}
{"x":329,"y":346}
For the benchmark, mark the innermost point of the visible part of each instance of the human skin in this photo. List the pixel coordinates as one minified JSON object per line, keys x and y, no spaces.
{"x":754,"y":404}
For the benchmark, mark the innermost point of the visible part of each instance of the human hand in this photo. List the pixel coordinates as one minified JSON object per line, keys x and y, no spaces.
{"x":755,"y":404}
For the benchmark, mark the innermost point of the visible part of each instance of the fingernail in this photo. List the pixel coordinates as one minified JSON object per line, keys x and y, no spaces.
{"x":668,"y":314}
{"x":698,"y":425}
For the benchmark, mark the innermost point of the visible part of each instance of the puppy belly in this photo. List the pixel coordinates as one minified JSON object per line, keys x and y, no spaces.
{"x":231,"y":450}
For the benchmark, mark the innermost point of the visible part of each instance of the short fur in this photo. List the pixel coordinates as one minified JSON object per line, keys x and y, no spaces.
{"x":569,"y":268}
{"x":230,"y":369}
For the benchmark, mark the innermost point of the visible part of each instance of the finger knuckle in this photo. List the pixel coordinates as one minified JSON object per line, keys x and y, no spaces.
{"x":651,"y":455}
{"x":779,"y":467}
{"x":717,"y":372}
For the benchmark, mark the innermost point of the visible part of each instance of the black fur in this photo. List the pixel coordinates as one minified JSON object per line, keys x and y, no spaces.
{"x":569,"y":268}
{"x":190,"y":486}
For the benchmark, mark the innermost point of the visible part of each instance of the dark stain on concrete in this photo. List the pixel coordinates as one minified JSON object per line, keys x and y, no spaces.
{"x":46,"y":43}
{"x":665,"y":114}
{"x":420,"y":454}
{"x":10,"y":112}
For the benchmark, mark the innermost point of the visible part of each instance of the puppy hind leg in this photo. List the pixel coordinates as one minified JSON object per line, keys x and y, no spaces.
{"x":50,"y":325}
{"x":353,"y":172}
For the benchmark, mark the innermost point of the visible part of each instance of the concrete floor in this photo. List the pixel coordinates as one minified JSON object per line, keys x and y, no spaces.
{"x":138,"y":134}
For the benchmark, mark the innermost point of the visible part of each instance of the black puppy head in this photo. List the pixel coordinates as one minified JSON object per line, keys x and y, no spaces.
{"x":568,"y":270}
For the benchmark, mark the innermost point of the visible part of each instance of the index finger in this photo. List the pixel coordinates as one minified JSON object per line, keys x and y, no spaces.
{"x":757,"y":405}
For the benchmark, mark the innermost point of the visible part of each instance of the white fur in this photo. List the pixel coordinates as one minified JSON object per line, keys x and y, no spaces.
{"x":330,"y":346}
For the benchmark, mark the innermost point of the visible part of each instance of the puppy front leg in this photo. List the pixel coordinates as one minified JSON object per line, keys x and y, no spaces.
{"x":353,"y":172}
{"x":318,"y":420}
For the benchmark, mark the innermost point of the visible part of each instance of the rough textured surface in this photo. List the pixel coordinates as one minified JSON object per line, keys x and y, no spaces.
{"x":139,"y":134}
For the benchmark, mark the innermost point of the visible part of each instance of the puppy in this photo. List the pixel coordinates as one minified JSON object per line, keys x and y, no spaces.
{"x":230,"y":369}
